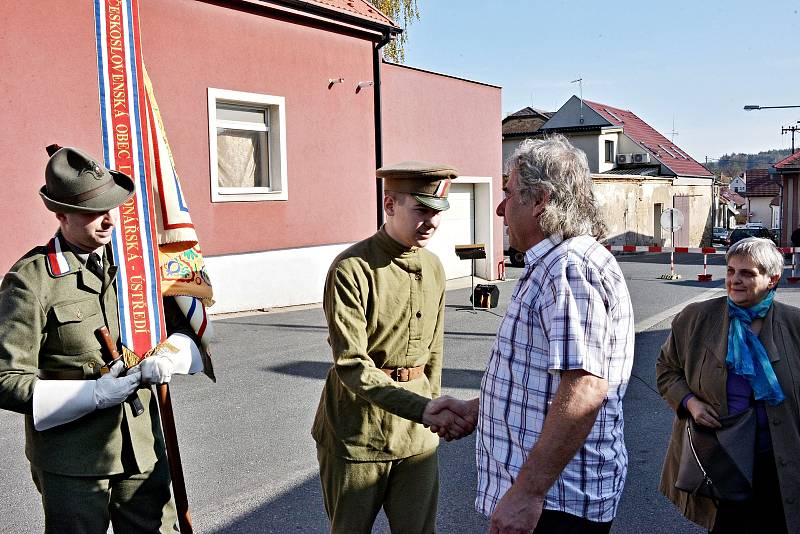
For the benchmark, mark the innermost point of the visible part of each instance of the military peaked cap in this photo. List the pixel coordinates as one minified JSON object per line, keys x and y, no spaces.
{"x":428,"y":183}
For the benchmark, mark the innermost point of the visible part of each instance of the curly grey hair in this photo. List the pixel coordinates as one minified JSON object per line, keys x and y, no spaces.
{"x":552,"y":165}
{"x":762,"y":252}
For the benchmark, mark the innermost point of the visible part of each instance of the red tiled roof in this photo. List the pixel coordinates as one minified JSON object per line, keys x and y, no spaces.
{"x":360,"y":8}
{"x":792,"y":160}
{"x":755,"y":174}
{"x":665,"y":150}
{"x":732,"y":196}
{"x":760,"y":184}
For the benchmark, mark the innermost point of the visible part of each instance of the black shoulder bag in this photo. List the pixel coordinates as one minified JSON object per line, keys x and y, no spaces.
{"x":718,"y":462}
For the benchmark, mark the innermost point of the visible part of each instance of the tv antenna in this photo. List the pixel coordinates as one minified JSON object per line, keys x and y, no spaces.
{"x":579,"y":81}
{"x":673,"y":132}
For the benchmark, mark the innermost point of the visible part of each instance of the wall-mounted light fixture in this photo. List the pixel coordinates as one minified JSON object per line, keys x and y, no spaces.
{"x":332,"y":81}
{"x":362,"y":85}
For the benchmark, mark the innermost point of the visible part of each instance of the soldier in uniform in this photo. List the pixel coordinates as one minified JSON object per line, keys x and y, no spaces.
{"x":91,"y":459}
{"x":384,"y":304}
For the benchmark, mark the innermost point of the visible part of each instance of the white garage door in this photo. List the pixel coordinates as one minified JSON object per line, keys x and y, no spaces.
{"x":456,"y":228}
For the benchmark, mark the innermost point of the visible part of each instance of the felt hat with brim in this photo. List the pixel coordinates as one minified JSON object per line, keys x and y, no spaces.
{"x":77,"y":183}
{"x":428,"y":183}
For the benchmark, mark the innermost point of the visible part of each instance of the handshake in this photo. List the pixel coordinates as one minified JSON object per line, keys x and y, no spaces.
{"x":451,"y":418}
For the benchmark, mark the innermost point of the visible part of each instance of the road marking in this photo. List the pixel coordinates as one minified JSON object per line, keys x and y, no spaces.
{"x":646,"y":324}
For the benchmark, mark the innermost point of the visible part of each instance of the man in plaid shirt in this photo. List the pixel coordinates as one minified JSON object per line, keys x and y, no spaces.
{"x":550,"y":449}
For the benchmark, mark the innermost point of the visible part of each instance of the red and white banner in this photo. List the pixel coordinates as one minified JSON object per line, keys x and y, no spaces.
{"x":126,"y":146}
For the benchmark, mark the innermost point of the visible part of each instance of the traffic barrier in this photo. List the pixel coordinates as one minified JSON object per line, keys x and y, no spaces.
{"x":705,"y":277}
{"x":705,"y":251}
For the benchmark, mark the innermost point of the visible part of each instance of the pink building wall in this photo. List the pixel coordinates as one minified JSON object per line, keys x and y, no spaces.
{"x":50,"y":95}
{"x":440,"y":118}
{"x":49,"y":88}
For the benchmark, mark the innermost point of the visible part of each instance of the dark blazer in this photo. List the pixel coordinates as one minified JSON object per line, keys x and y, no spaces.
{"x":693,"y":360}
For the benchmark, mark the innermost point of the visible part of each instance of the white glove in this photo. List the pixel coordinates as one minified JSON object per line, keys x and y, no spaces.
{"x":112,"y":389}
{"x":56,"y":402}
{"x":178,"y":354}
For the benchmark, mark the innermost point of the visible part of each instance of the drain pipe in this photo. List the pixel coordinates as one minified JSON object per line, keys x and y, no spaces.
{"x":376,"y":76}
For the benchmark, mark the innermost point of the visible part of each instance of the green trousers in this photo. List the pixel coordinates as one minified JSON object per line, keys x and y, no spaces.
{"x":354,"y":492}
{"x":138,"y":503}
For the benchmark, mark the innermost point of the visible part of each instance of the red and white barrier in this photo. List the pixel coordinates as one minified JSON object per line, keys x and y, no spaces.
{"x":705,"y":251}
{"x":686,"y":250}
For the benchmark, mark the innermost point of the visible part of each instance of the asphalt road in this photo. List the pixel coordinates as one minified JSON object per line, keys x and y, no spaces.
{"x":249,"y":459}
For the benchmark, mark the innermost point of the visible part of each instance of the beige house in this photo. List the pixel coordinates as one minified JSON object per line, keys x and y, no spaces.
{"x":638,"y":173}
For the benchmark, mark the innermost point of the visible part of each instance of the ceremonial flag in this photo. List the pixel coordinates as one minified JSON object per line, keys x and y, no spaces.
{"x":155,"y":243}
{"x":134,"y":143}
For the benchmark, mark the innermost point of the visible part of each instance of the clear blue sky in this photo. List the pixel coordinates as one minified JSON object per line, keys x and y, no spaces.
{"x":698,"y":61}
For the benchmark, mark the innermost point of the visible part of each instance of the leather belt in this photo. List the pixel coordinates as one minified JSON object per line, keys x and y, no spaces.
{"x":90,"y":371}
{"x":404,"y":374}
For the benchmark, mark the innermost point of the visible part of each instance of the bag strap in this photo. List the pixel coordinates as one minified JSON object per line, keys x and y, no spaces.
{"x":706,"y":479}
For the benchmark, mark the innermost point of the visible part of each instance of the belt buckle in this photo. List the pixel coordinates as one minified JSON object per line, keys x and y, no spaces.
{"x":402,"y":374}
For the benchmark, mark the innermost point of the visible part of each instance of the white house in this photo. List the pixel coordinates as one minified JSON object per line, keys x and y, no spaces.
{"x":637,"y":174}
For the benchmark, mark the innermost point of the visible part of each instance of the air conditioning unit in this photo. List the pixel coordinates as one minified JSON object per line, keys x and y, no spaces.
{"x":623,"y":159}
{"x":642,"y":157}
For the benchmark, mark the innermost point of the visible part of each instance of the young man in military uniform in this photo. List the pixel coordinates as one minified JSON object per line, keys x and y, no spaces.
{"x":384,"y":304}
{"x":91,"y":459}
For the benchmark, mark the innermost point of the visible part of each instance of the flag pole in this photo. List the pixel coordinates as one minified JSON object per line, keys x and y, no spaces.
{"x":174,"y":459}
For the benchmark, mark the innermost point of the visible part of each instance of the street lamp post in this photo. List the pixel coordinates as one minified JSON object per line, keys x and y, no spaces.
{"x":752,"y":107}
{"x":793,"y":129}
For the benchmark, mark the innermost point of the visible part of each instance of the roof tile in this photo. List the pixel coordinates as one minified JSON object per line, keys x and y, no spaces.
{"x":759,"y":184}
{"x":665,"y":150}
{"x":360,"y":8}
{"x":792,"y":160}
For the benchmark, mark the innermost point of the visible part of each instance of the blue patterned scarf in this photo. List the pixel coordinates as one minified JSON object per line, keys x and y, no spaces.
{"x":747,"y":356}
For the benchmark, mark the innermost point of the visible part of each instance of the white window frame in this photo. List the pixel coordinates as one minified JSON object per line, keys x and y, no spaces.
{"x":609,"y":142}
{"x":276,"y":109}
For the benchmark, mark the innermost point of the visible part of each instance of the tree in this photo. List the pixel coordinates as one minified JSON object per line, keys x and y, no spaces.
{"x":404,"y":12}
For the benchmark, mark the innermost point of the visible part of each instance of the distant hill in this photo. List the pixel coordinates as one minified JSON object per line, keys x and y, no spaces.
{"x":735,"y":164}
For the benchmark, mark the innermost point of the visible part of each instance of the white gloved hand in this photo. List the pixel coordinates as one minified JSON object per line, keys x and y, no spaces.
{"x":56,"y":402}
{"x":112,"y":389}
{"x":177,"y":355}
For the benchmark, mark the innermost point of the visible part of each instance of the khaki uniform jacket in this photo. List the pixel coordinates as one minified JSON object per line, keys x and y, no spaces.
{"x":384,"y":305}
{"x":48,"y":322}
{"x":693,"y":360}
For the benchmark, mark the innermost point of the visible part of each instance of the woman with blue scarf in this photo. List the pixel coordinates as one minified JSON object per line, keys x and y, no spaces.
{"x":727,"y":356}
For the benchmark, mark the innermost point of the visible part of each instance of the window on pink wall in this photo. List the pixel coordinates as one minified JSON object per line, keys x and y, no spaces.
{"x":247,"y":146}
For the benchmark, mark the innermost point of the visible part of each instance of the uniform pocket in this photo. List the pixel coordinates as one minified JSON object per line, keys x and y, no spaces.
{"x":76,"y":323}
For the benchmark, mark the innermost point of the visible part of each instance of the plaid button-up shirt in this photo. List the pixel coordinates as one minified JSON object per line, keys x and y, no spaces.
{"x":570,"y":310}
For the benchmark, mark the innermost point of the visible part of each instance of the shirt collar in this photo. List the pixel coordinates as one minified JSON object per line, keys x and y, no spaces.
{"x":540,"y":249}
{"x":81,"y":254}
{"x":392,"y":247}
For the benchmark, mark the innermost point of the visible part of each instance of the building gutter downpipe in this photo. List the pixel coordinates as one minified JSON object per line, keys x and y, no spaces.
{"x":376,"y":75}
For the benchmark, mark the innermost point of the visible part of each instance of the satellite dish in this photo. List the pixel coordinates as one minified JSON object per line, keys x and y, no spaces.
{"x":671,"y":219}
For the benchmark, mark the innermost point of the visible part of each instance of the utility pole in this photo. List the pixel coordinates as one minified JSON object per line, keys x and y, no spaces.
{"x":792,"y":130}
